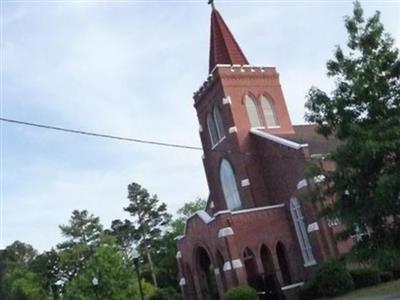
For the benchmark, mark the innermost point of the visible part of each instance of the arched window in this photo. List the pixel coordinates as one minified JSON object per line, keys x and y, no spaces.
{"x":301,"y":231}
{"x":212,"y":130}
{"x":219,"y":125}
{"x":229,"y":187}
{"x":252,"y":112}
{"x":269,"y":112}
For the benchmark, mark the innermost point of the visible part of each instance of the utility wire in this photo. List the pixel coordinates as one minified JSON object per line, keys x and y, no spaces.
{"x":108,"y":136}
{"x":171,"y":145}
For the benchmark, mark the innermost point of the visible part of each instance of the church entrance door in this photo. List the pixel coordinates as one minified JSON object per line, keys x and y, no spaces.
{"x":271,"y":288}
{"x":208,"y":284}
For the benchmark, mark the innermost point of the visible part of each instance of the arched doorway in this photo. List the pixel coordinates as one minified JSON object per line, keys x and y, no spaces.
{"x":270,"y":282}
{"x":220,"y":262}
{"x":250,"y":264}
{"x":283,"y":263}
{"x":208,"y":285}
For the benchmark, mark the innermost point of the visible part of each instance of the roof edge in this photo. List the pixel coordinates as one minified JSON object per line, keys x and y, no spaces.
{"x":277,"y":139}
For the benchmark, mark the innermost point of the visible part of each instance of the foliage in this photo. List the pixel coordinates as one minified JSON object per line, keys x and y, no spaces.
{"x":115,"y":277}
{"x":363,"y":113}
{"x":365,"y":277}
{"x":386,"y":276}
{"x":19,"y":254}
{"x":15,"y":256}
{"x":387,"y":259}
{"x":308,"y":291}
{"x":165,"y":260}
{"x":332,"y":279}
{"x":147,"y":287}
{"x":165,"y":294}
{"x":88,"y":251}
{"x":45,"y":266}
{"x":122,"y":231}
{"x":187,"y":210}
{"x":83,"y":234}
{"x":150,"y":217}
{"x":243,"y":292}
{"x":21,"y":284}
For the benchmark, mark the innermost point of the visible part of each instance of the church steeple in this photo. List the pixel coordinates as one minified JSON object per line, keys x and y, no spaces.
{"x":223,"y":47}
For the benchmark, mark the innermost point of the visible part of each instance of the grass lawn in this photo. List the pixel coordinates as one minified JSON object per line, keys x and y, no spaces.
{"x":385,"y":289}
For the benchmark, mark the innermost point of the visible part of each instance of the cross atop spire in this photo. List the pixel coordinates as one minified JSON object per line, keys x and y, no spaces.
{"x":211,"y":2}
{"x":223,"y":47}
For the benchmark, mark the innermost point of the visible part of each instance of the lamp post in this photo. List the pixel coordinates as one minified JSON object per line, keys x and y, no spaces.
{"x":59,"y":285}
{"x":95,"y":283}
{"x":135,"y":257}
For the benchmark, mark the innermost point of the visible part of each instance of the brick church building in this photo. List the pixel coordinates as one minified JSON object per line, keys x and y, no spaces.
{"x":254,"y":229}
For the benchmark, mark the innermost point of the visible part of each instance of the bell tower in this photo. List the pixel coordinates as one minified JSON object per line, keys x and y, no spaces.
{"x":237,"y":99}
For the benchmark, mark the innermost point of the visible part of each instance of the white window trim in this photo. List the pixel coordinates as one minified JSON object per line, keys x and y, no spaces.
{"x":216,"y":115}
{"x":301,"y":232}
{"x":219,"y":142}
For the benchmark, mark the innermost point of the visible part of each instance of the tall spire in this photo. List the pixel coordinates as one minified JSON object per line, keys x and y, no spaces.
{"x":223,"y":47}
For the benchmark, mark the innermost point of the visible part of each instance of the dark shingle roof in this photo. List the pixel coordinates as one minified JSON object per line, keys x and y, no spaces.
{"x":306,"y":134}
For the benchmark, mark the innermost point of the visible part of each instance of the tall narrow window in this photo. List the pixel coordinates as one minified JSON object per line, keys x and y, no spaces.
{"x":269,"y":112}
{"x":301,"y":232}
{"x":252,"y":112}
{"x":229,"y":187}
{"x":218,"y":123}
{"x":212,"y":130}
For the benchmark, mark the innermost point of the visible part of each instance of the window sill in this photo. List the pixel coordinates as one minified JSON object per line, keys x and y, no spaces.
{"x":274,"y":127}
{"x":219,"y":142}
{"x":311,"y":263}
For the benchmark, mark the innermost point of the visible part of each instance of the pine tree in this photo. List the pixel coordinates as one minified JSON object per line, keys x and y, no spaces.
{"x":363,"y":113}
{"x":83,"y":234}
{"x":149,"y":219}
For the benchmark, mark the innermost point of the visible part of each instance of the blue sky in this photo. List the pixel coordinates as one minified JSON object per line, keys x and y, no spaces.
{"x":130,"y":68}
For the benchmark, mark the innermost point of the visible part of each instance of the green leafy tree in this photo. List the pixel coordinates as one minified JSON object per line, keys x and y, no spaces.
{"x":165,"y":258}
{"x":21,"y":284}
{"x":150,"y":217}
{"x":187,"y":210}
{"x":46,"y":268}
{"x":83,"y":234}
{"x":116,"y":279}
{"x":18,"y":254}
{"x":15,"y":256}
{"x":363,"y":113}
{"x":123,"y":233}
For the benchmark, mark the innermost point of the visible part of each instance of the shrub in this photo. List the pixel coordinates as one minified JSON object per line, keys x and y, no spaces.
{"x":387,"y":259}
{"x":165,"y":294}
{"x":333,"y":279}
{"x":396,"y":272}
{"x":308,"y":291}
{"x":243,"y":292}
{"x":386,"y":276}
{"x":365,"y":277}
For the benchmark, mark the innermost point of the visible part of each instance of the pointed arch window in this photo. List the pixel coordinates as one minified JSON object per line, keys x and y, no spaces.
{"x":212,"y":130}
{"x":219,"y":125}
{"x":252,"y":112}
{"x":229,"y":186}
{"x":301,"y":231}
{"x":269,"y":113}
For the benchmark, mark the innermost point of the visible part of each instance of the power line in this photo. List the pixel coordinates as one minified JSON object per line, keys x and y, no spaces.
{"x":108,"y":136}
{"x":171,"y":145}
